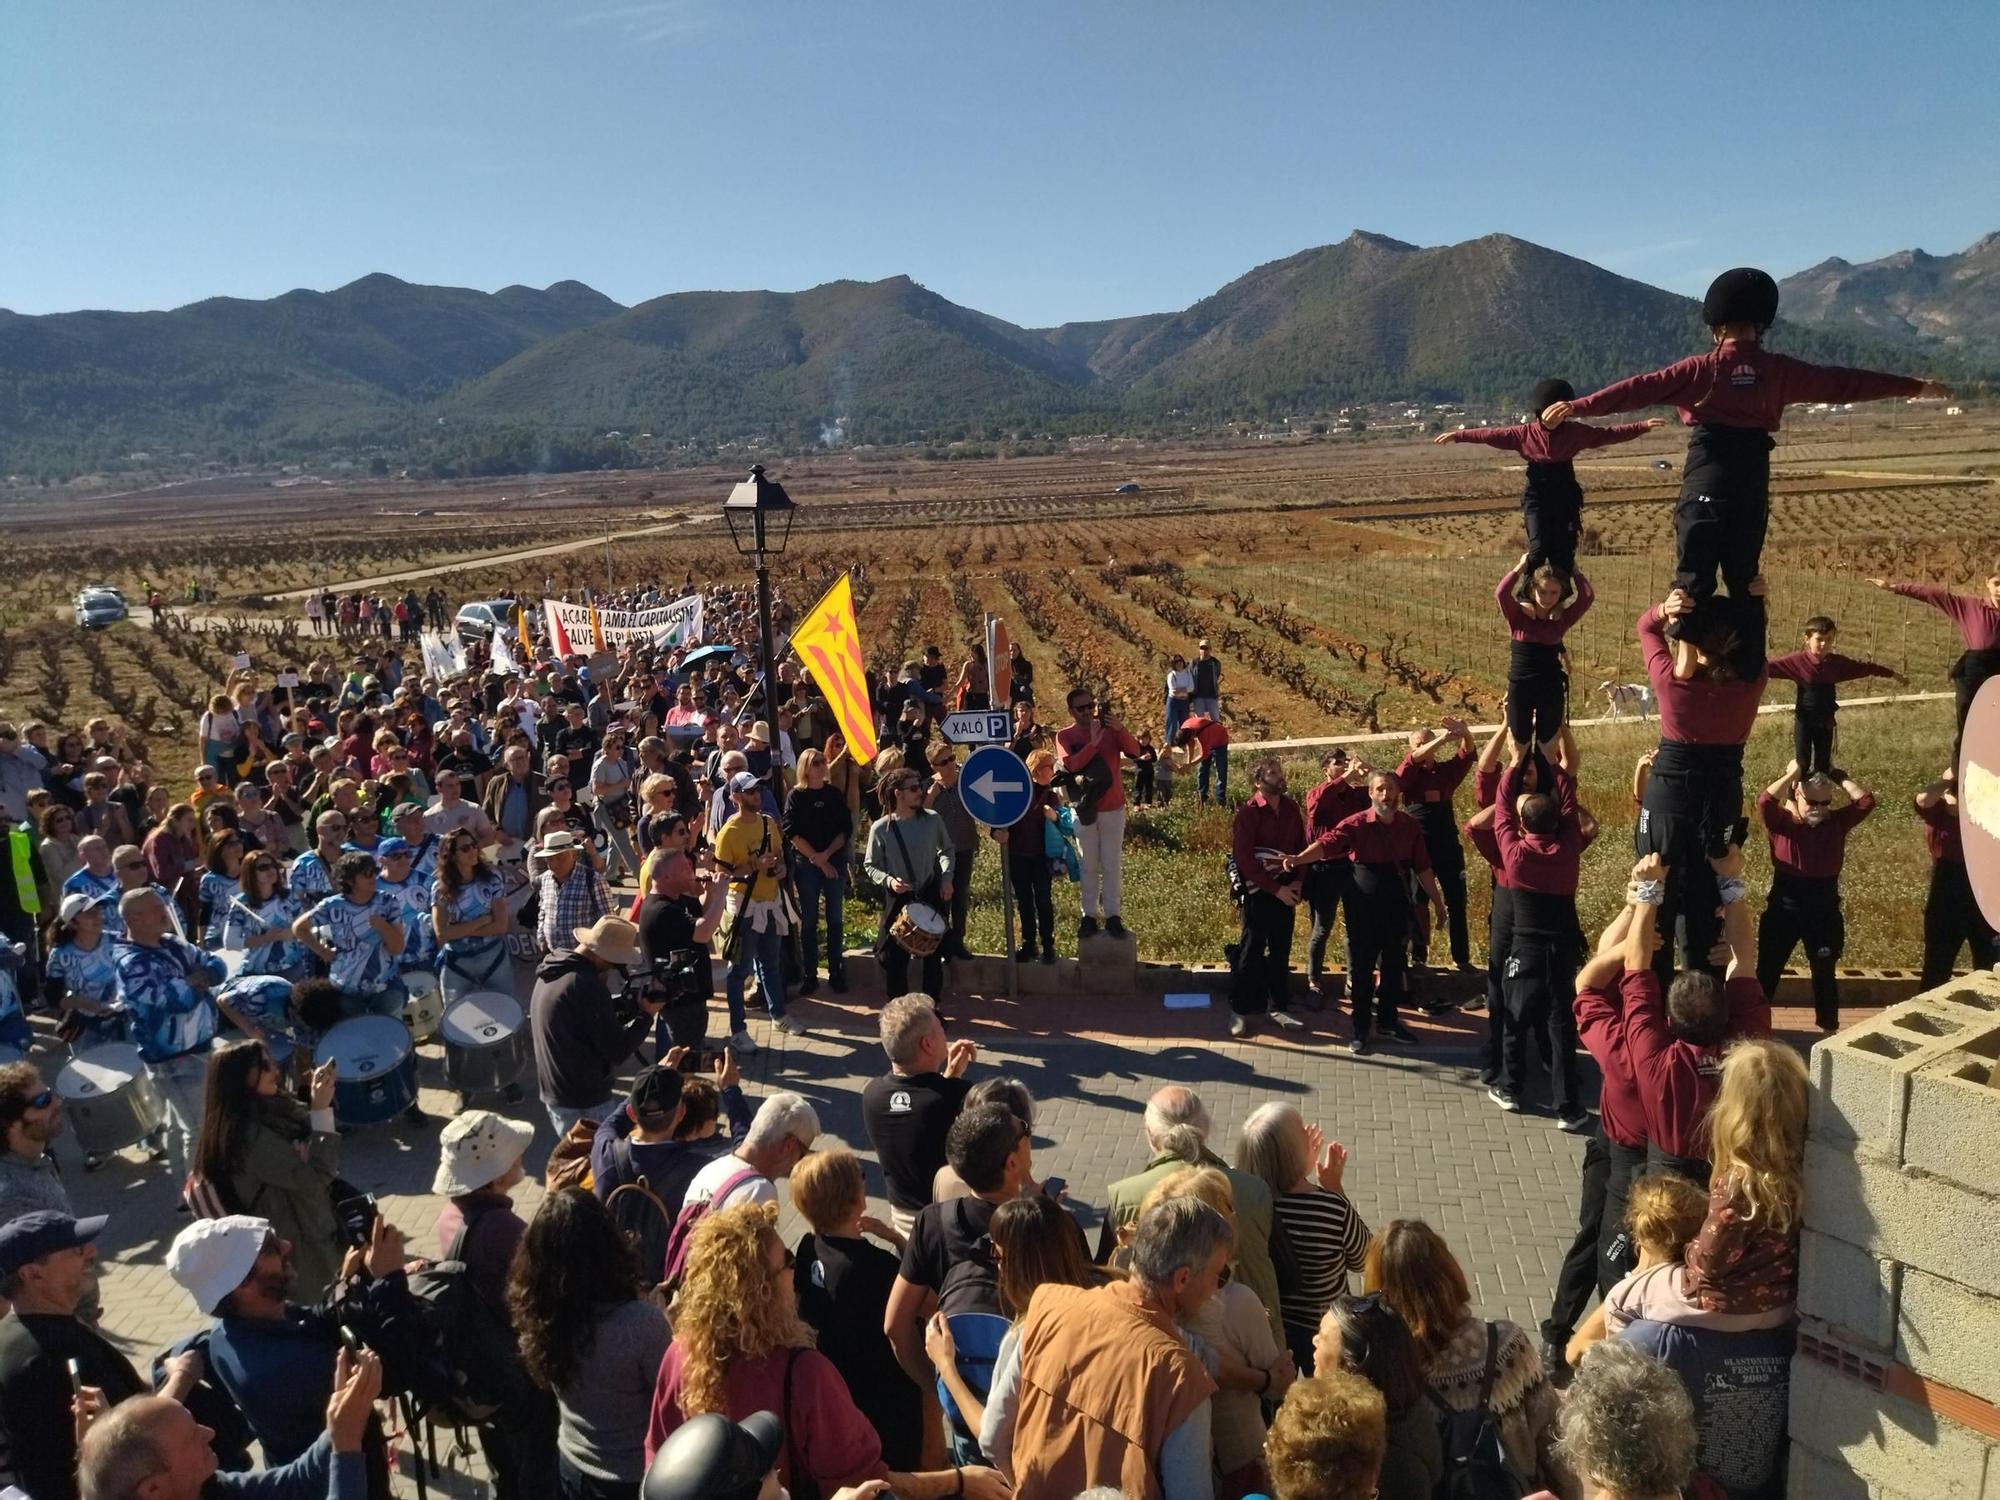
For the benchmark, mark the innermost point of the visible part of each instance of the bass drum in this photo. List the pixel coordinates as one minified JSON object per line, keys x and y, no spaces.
{"x":374,"y":1069}
{"x":426,"y":1004}
{"x":485,"y":1043}
{"x":109,"y":1098}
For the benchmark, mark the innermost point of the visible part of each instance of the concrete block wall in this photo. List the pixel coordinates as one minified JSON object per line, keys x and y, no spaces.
{"x":1896,"y":1390}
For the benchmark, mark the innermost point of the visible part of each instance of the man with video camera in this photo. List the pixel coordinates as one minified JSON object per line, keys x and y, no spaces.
{"x":581,"y":1032}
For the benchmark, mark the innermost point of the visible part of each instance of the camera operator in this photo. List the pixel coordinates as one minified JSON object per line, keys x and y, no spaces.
{"x":273,"y":1357}
{"x":677,"y":920}
{"x":581,"y":1032}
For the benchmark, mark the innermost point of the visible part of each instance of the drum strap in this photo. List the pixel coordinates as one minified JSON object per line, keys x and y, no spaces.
{"x":918,"y":888}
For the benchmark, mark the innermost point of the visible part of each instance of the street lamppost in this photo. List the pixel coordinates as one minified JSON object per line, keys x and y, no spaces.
{"x":750,"y":511}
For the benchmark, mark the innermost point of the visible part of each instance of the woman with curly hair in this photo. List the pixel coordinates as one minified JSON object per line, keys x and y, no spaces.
{"x":1627,"y":1429}
{"x":589,"y":1336}
{"x":741,"y":1347}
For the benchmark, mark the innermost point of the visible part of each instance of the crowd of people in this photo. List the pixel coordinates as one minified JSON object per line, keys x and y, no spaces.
{"x":370,"y":847}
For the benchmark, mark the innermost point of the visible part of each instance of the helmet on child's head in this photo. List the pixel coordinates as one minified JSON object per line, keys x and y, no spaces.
{"x":1548,"y":392}
{"x":1744,"y":295}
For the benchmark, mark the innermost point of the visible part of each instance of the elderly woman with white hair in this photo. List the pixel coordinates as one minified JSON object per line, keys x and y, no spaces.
{"x":1626,"y":1430}
{"x":1327,"y":1236}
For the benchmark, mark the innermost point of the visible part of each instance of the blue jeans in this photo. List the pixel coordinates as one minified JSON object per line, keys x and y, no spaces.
{"x":1219,"y":759}
{"x":563,"y":1117}
{"x":765,"y":950}
{"x":1177,"y":709}
{"x":812,"y":886}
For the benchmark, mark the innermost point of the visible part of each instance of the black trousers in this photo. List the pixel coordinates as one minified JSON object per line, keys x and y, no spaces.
{"x":1968,"y":675}
{"x":961,"y":894}
{"x":1812,"y":744}
{"x":1577,"y":1277}
{"x":1724,"y":507}
{"x":1539,"y":983}
{"x":1552,"y":512}
{"x":1804,"y":911}
{"x":1263,"y":978}
{"x":1499,"y":939}
{"x":895,"y":961}
{"x":1378,"y":944}
{"x":1034,"y":899}
{"x":1685,"y":819}
{"x":1327,"y":884}
{"x":1537,"y":704}
{"x":1951,"y":920}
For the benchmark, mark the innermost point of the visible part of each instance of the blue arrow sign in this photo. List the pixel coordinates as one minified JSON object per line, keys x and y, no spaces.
{"x":995,"y":786}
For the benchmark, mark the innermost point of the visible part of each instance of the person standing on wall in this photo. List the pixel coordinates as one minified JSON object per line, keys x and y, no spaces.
{"x":1093,"y":746}
{"x":1206,"y":672}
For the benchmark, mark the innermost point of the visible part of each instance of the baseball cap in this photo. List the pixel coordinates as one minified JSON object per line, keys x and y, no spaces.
{"x":743,"y":781}
{"x":405,"y":807}
{"x":656,"y":1094}
{"x":211,"y":1257}
{"x":43,"y":1232}
{"x":389,"y":848}
{"x":76,"y":903}
{"x":710,"y":1457}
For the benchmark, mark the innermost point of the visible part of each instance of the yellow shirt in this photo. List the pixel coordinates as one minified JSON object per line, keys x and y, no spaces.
{"x":737,"y":845}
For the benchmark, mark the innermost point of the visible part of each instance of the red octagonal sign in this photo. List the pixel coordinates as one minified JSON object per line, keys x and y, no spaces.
{"x":1979,"y":798}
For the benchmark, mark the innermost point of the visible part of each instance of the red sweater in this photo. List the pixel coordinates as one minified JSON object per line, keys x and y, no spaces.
{"x":1523,"y":626}
{"x":1810,"y":851}
{"x":1208,"y":734}
{"x":1263,"y":833}
{"x":1542,"y":862}
{"x":1941,"y":835}
{"x":1331,"y":801}
{"x":1696,"y":712}
{"x":1803,"y":666}
{"x":1367,"y":840}
{"x":1742,"y":385}
{"x":1677,"y":1079}
{"x":1541,"y":445}
{"x":1978,"y":622}
{"x":824,"y":1426}
{"x":1074,"y":750}
{"x":1435,"y":777}
{"x":1619,"y":1104}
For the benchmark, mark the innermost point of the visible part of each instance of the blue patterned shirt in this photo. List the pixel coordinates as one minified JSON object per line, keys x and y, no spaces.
{"x":413,"y":910}
{"x":309,"y":879}
{"x":217,"y":891}
{"x":361,"y":965}
{"x":239,"y":923}
{"x":169,"y":1015}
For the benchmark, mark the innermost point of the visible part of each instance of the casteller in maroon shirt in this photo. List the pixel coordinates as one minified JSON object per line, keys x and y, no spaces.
{"x":1434,"y":778}
{"x":1543,"y":445}
{"x":1738,"y":384}
{"x":1811,"y":851}
{"x":1698,"y":711}
{"x":1544,"y":862}
{"x":1941,"y":835}
{"x":1367,"y":840}
{"x":1677,"y":1079}
{"x":1977,"y":620}
{"x":1331,"y":801}
{"x":1620,"y":1106}
{"x":1825,"y":670}
{"x":1543,"y":631}
{"x":1265,"y":831}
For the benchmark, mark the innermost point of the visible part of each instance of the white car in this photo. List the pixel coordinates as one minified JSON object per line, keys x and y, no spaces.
{"x":480,"y":620}
{"x":98,"y":605}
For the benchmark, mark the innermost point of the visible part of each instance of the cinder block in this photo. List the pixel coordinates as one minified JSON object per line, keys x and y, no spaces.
{"x":1978,"y":992}
{"x":1849,"y":1290}
{"x":1923,"y":1221}
{"x":1951,"y":1125}
{"x":1810,"y":1477}
{"x":1862,"y":1075}
{"x":1883,"y":1439}
{"x":1946,"y":1333}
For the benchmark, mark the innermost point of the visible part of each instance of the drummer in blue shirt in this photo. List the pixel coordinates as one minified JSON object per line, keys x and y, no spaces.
{"x":398,"y":878}
{"x":166,"y":985}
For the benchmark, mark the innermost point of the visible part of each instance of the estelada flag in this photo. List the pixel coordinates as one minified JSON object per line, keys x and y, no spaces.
{"x":829,"y":642}
{"x":558,"y":637}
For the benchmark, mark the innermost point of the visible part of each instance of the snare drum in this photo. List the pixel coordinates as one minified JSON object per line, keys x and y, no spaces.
{"x":426,"y":1004}
{"x":109,"y":1098}
{"x":485,"y":1043}
{"x":374,"y":1069}
{"x":919,"y":928}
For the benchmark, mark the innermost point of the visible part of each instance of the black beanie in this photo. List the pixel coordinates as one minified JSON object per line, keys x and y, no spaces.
{"x":1744,"y":295}
{"x":1547,"y":393}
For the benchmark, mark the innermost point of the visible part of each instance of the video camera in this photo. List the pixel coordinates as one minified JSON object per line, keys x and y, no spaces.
{"x":683,"y":977}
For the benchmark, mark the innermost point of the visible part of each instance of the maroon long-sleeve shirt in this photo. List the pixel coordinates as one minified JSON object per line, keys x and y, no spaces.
{"x":1544,"y":862}
{"x":1599,"y":1025}
{"x":1367,"y":840}
{"x":1331,"y":801}
{"x":1542,"y":445}
{"x":1805,"y":668}
{"x":1523,"y":626}
{"x":1435,"y":777}
{"x":1941,"y":835}
{"x":1812,"y":851}
{"x":1264,"y":833}
{"x":1485,"y":785}
{"x":1741,"y":385}
{"x":1978,"y":622}
{"x":1677,"y":1079}
{"x":1696,"y":712}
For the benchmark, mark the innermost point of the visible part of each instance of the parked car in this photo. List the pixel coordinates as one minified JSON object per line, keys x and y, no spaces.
{"x":479,"y":620}
{"x":98,"y":605}
{"x":1126,"y":489}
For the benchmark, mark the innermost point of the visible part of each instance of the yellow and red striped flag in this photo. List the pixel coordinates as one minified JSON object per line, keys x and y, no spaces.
{"x":828,"y":641}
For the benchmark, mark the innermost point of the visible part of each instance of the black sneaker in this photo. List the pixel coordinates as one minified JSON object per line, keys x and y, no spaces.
{"x":1359,"y":1046}
{"x":809,"y":985}
{"x":1504,"y":1099}
{"x":837,"y":981}
{"x":1087,"y":928}
{"x":1048,"y":955}
{"x":1575,"y":1124}
{"x":1555,"y":1366}
{"x":1025,"y":954}
{"x":1440,"y":1007}
{"x":1398,"y":1032}
{"x":1115,"y":927}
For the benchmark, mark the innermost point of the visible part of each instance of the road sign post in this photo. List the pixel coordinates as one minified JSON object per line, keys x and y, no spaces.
{"x":997,"y":790}
{"x":978,"y":726}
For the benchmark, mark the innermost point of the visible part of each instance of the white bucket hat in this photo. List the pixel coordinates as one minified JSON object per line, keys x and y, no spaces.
{"x":476,"y":1147}
{"x":211,"y":1257}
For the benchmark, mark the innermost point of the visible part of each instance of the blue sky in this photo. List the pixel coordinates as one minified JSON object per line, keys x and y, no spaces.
{"x":1040,"y":161}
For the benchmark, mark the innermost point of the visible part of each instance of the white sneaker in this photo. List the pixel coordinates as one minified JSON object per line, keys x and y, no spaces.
{"x":1238,"y":1026}
{"x":789,"y":1026}
{"x":1287,"y":1020}
{"x":742,"y":1044}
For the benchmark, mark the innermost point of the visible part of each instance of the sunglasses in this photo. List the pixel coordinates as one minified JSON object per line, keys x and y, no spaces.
{"x":42,"y":1100}
{"x":131,"y":864}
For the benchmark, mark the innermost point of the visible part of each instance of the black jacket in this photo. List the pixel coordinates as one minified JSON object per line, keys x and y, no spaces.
{"x":580,"y":1036}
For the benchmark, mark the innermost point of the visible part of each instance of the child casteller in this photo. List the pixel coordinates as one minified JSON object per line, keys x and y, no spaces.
{"x":1733,"y":397}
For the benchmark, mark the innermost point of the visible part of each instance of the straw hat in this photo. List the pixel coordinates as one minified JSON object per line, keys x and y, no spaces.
{"x":475,"y":1148}
{"x":612,"y":939}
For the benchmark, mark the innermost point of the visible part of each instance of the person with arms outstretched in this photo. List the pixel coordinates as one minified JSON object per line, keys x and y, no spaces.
{"x":1978,"y":622}
{"x":1537,"y":680}
{"x":1816,"y":671}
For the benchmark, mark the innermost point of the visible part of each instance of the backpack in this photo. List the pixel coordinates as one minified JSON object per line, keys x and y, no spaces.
{"x":569,"y":1159}
{"x":642,"y":1217}
{"x":1475,"y":1461}
{"x":976,"y":1337}
{"x":456,"y":1355}
{"x":691,"y":1214}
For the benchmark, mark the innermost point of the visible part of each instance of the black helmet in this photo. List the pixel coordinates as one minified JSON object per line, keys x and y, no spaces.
{"x":710,"y":1457}
{"x":1547,"y":393}
{"x":1744,"y":295}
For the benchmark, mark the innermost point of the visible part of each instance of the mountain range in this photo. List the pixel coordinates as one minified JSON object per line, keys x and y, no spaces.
{"x":466,"y":381}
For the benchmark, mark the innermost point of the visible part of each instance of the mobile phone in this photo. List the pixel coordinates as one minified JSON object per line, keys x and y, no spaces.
{"x":1055,"y":1186}
{"x":700,"y":1062}
{"x":357,"y":1218}
{"x":75,"y":1380}
{"x":351,"y":1340}
{"x":240,"y":661}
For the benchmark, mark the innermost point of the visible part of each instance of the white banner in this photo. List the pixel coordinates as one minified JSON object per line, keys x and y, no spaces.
{"x":584,"y":628}
{"x":441,"y":657}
